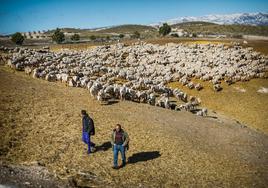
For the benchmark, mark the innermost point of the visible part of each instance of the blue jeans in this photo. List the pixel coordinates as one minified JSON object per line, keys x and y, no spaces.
{"x":86,"y":140}
{"x":116,"y":149}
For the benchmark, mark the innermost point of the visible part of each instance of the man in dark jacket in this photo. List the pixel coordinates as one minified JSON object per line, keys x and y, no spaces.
{"x":119,"y":141}
{"x":87,"y":130}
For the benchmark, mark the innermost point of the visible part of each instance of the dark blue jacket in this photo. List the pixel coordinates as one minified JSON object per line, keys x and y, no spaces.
{"x":88,"y":125}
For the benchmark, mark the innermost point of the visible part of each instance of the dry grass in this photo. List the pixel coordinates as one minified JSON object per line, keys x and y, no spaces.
{"x":228,"y":43}
{"x":260,"y":46}
{"x":249,"y":107}
{"x":40,"y":121}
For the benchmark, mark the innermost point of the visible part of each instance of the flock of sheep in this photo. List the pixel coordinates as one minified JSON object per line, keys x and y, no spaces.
{"x":141,"y":72}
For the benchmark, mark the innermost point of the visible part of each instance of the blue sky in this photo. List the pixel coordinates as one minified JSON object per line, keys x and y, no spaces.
{"x":33,"y":15}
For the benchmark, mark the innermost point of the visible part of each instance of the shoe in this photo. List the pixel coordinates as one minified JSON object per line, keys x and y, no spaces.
{"x":123,"y":164}
{"x":93,"y":149}
{"x":115,"y":167}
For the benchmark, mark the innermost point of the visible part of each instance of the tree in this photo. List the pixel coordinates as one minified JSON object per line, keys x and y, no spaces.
{"x":17,"y":38}
{"x":121,"y":36}
{"x":75,"y":37}
{"x":58,"y":36}
{"x":164,"y":29}
{"x":92,"y":37}
{"x":136,"y":35}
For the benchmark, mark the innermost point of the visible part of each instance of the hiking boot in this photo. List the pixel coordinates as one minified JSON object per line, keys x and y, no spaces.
{"x":93,"y":149}
{"x":123,"y":164}
{"x":115,"y":167}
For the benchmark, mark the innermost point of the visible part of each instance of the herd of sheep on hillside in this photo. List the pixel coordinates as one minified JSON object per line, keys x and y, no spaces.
{"x":141,"y":72}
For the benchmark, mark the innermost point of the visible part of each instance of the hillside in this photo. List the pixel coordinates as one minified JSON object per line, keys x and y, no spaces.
{"x":128,"y":29}
{"x":211,"y":28}
{"x":198,"y":27}
{"x":41,"y":125}
{"x":145,"y":31}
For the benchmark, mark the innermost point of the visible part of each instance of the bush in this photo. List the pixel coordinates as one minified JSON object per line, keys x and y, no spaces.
{"x":92,"y":37}
{"x":75,"y":37}
{"x":164,"y":29}
{"x":136,"y":35}
{"x":17,"y":38}
{"x":121,"y":36}
{"x":58,"y":36}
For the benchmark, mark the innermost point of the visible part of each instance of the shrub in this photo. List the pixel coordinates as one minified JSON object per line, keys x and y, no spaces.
{"x":164,"y":29}
{"x":17,"y":38}
{"x":75,"y":37}
{"x":136,"y":35}
{"x":58,"y":36}
{"x":92,"y":37}
{"x":121,"y":36}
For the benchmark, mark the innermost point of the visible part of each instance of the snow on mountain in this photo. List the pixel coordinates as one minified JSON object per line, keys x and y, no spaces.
{"x":238,"y":18}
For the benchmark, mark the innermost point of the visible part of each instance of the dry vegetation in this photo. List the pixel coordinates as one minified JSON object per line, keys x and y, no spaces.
{"x":211,"y":28}
{"x":40,"y":121}
{"x":250,"y":107}
{"x":240,"y":101}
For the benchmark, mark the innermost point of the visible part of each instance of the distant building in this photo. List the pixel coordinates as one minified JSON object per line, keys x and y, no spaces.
{"x":35,"y":35}
{"x":70,"y":33}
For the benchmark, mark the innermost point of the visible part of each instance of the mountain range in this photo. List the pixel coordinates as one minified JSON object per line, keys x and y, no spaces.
{"x":237,"y":18}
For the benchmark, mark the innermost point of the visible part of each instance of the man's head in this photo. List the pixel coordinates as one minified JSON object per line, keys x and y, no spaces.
{"x":118,"y":127}
{"x":83,"y":112}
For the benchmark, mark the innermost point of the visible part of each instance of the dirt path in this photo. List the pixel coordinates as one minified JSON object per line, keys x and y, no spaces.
{"x":40,"y":122}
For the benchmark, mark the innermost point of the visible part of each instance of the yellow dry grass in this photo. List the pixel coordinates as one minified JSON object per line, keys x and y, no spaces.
{"x":208,"y":42}
{"x":40,"y":121}
{"x":249,"y":107}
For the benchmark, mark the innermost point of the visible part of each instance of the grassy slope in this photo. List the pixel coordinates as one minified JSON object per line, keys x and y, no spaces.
{"x":128,"y":29}
{"x":191,"y":27}
{"x":167,"y":149}
{"x":210,"y":28}
{"x":124,"y":29}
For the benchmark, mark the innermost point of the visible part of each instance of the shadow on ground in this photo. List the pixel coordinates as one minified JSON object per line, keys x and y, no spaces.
{"x":104,"y":147}
{"x":110,"y":102}
{"x":143,"y":156}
